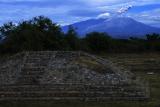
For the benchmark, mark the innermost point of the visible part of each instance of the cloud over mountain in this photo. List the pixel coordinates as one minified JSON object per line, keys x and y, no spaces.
{"x":124,"y":9}
{"x":70,"y":11}
{"x":104,"y":15}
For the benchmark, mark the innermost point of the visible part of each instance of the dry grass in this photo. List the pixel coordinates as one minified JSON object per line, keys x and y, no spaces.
{"x":92,"y":64}
{"x":141,"y":65}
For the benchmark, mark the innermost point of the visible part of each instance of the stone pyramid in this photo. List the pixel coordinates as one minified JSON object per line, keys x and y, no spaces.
{"x":60,"y":75}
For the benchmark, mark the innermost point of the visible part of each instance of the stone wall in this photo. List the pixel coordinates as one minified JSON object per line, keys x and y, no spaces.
{"x":65,"y":76}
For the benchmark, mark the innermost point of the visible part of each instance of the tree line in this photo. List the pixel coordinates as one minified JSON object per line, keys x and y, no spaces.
{"x":41,"y":34}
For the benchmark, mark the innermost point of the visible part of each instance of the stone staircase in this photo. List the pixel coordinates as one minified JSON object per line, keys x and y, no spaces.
{"x":34,"y":67}
{"x":29,"y":83}
{"x":71,"y":92}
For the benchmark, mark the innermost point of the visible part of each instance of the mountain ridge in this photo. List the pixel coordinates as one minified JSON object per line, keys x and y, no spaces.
{"x":119,"y":27}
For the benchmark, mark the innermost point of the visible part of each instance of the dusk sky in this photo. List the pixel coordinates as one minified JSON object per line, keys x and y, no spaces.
{"x":69,"y":11}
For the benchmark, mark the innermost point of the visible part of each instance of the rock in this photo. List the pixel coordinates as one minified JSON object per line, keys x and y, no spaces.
{"x":66,"y":75}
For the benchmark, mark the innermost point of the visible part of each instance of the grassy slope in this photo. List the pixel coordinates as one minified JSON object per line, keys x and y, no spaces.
{"x":140,"y":64}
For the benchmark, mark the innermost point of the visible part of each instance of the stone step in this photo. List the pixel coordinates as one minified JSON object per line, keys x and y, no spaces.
{"x":42,"y":53}
{"x":33,"y":69}
{"x":38,"y":57}
{"x":3,"y":70}
{"x":66,"y":94}
{"x":62,"y":93}
{"x":30,"y":76}
{"x":93,"y":99}
{"x":67,"y":88}
{"x":39,"y":64}
{"x":37,"y":61}
{"x":32,"y":73}
{"x":30,"y":81}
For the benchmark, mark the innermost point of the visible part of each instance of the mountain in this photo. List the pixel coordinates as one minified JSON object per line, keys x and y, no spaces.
{"x":84,"y":24}
{"x":119,"y":27}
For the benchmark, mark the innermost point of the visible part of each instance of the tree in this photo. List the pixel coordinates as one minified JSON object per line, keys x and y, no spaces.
{"x":72,"y":39}
{"x":39,"y":33}
{"x":98,"y":42}
{"x":153,"y":37}
{"x":153,"y":41}
{"x":7,"y":29}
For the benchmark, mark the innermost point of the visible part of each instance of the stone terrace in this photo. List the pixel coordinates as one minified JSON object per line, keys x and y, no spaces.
{"x":58,"y":75}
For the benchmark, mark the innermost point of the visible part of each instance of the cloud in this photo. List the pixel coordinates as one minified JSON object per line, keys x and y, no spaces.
{"x":151,"y":17}
{"x":124,"y":9}
{"x":116,"y":12}
{"x":68,"y":11}
{"x":103,"y":15}
{"x":85,"y":12}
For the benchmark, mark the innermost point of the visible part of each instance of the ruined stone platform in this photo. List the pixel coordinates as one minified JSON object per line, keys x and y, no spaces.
{"x":57,"y":75}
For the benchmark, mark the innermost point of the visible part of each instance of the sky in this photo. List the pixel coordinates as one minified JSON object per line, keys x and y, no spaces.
{"x":65,"y":12}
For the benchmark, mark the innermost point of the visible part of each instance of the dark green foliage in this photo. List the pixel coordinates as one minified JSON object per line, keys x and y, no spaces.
{"x":153,"y":42}
{"x":153,"y":37}
{"x":40,"y":33}
{"x":7,"y":29}
{"x":72,"y":39}
{"x":36,"y":34}
{"x":98,"y":42}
